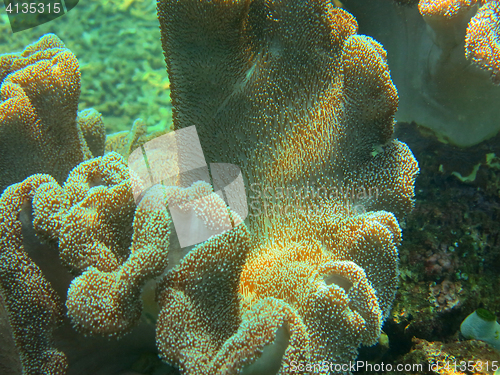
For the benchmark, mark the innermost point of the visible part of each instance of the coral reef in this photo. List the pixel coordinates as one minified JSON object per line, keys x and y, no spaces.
{"x":449,"y":256}
{"x":445,"y":295}
{"x":435,"y":358}
{"x":292,"y":95}
{"x":441,"y":262}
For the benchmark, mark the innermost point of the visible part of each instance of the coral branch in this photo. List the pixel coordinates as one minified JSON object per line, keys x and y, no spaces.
{"x":39,"y":95}
{"x":34,"y":308}
{"x":482,"y":41}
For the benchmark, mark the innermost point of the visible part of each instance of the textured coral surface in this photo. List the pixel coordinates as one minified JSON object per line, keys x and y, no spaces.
{"x":290,"y":93}
{"x":292,"y":103}
{"x":482,"y":42}
{"x":39,"y":95}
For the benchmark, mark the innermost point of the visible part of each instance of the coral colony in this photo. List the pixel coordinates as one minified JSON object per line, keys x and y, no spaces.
{"x":95,"y":270}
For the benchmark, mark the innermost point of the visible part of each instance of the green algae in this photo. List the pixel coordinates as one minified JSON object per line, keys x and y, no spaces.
{"x":471,"y":177}
{"x":486,"y":315}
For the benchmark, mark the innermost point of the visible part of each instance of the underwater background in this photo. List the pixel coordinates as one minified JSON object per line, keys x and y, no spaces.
{"x":446,"y":267}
